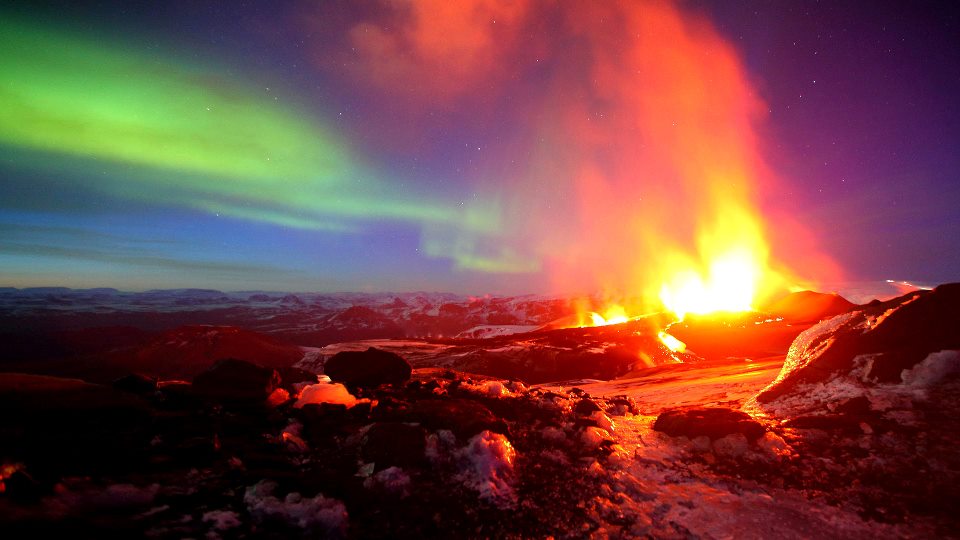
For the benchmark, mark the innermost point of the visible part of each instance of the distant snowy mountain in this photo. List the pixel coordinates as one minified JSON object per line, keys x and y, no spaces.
{"x":312,"y":319}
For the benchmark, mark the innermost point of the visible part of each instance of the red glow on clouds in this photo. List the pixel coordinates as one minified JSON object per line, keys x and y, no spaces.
{"x":436,"y":49}
{"x":632,"y":146}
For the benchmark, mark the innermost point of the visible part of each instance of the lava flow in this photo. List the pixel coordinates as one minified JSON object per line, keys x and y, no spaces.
{"x":729,"y":272}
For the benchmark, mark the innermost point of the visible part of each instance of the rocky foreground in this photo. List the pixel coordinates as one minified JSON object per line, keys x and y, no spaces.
{"x":856,"y":436}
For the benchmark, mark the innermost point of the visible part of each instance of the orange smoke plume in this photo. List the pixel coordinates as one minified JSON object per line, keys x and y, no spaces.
{"x":663,"y":146}
{"x":436,"y":49}
{"x":630,"y":157}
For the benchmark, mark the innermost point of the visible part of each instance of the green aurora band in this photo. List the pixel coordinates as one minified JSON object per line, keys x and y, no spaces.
{"x":190,"y":136}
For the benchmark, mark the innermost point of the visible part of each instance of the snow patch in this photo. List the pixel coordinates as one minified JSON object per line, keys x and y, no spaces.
{"x":593,"y":437}
{"x":823,"y":397}
{"x":818,"y":398}
{"x":933,"y":369}
{"x":603,"y":421}
{"x":734,"y":445}
{"x":485,"y":331}
{"x":292,"y":438}
{"x":222,"y":520}
{"x":493,"y":389}
{"x":486,"y":466}
{"x":773,"y":444}
{"x":439,"y":445}
{"x":326,"y":392}
{"x":318,"y":514}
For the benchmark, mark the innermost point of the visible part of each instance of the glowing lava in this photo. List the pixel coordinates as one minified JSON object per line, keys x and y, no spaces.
{"x":614,"y":314}
{"x":730,"y":284}
{"x":672,"y":343}
{"x":729,"y":271}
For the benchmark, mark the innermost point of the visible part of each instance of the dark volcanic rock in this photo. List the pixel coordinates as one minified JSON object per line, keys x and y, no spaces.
{"x":586,"y":407}
{"x":293,"y":375}
{"x":372,"y":367}
{"x":464,"y":417}
{"x":849,"y":423}
{"x":809,"y":306}
{"x":876,"y":344}
{"x":21,"y":487}
{"x":49,"y":417}
{"x":394,"y":444}
{"x":711,"y":422}
{"x":236,"y":380}
{"x":187,"y":351}
{"x":136,"y":383}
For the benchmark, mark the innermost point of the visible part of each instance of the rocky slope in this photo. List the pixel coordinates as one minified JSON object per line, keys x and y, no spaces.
{"x":856,"y":436}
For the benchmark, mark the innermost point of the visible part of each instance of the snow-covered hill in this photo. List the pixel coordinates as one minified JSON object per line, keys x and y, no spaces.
{"x":309,"y":319}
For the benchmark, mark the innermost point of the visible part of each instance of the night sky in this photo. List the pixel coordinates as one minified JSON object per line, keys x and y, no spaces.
{"x":475,"y":147}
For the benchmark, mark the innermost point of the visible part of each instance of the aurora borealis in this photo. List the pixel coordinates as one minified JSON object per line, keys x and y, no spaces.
{"x":475,"y":147}
{"x":155,"y":131}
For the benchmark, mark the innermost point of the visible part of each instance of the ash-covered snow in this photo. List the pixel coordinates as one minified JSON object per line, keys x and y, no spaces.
{"x":484,"y":331}
{"x":418,"y":353}
{"x":222,"y":520}
{"x":393,"y":480}
{"x":440,"y":446}
{"x":317,"y":514}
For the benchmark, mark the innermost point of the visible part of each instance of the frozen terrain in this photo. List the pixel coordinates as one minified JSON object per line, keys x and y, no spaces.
{"x":791,"y":424}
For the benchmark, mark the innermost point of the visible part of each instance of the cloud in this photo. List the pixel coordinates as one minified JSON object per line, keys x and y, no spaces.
{"x":436,"y":49}
{"x":81,"y":244}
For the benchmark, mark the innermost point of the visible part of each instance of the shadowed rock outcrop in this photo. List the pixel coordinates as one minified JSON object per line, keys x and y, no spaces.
{"x":371,"y":367}
{"x":236,"y":380}
{"x":710,"y":422}
{"x":878,"y":344}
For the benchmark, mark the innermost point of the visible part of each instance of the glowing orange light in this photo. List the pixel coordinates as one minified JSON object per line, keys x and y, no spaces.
{"x":614,"y":314}
{"x":730,"y":284}
{"x":672,"y":343}
{"x":729,"y":270}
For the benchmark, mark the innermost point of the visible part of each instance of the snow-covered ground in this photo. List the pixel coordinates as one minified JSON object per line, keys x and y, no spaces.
{"x":670,"y":487}
{"x":417,"y":353}
{"x":728,"y":384}
{"x":485,"y":331}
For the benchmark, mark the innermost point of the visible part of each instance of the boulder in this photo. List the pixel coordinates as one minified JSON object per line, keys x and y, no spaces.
{"x":236,"y":380}
{"x":586,"y":407}
{"x":714,"y":423}
{"x":372,"y":367}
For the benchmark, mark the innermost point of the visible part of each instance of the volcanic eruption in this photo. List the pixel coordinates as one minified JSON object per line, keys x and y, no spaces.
{"x":646,"y":177}
{"x":588,"y":262}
